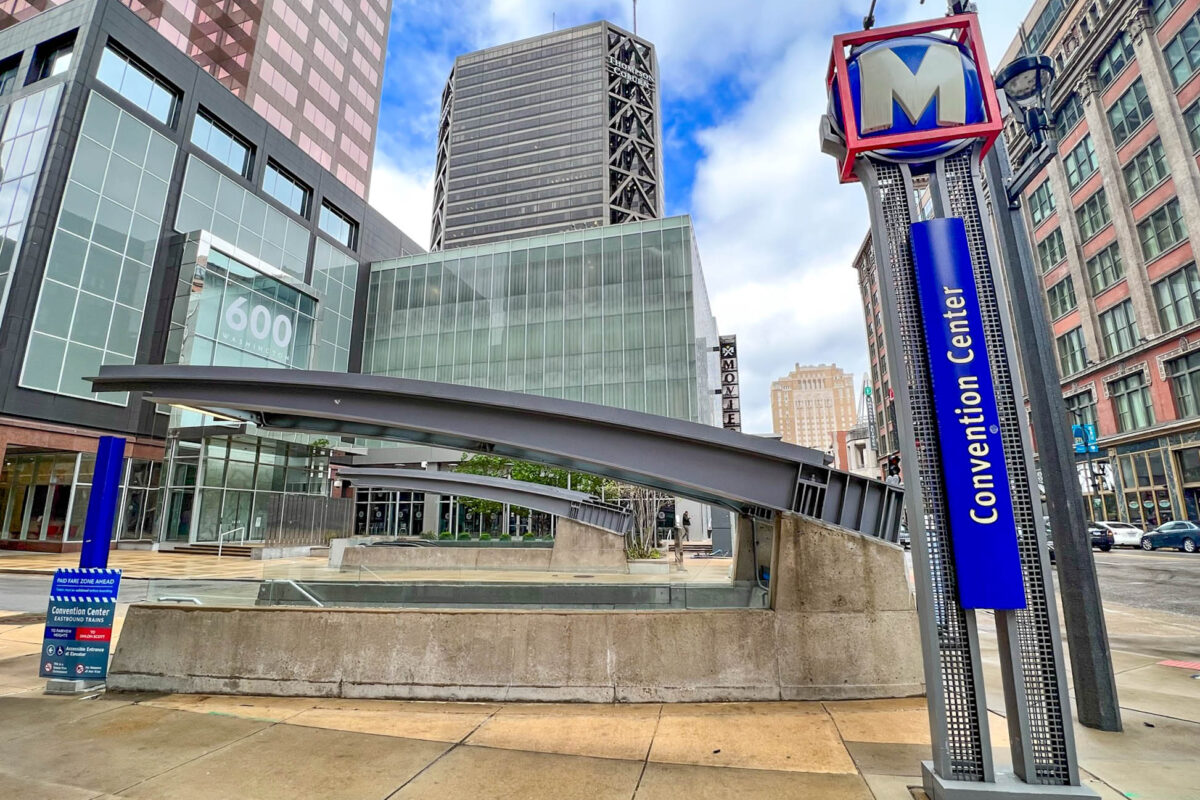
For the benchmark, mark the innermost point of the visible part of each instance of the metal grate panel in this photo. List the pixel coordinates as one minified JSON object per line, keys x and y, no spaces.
{"x":962,"y":704}
{"x":1037,"y":653}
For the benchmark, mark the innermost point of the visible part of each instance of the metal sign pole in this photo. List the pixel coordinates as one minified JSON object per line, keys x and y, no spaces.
{"x":974,"y":510}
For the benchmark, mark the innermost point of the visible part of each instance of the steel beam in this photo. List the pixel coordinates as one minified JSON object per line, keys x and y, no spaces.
{"x":549,"y":499}
{"x":747,"y":474}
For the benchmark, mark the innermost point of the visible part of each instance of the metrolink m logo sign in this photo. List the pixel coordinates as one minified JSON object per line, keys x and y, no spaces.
{"x":885,"y":77}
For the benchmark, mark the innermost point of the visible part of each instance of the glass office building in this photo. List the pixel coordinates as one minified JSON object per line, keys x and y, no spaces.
{"x":617,"y":315}
{"x":150,"y":216}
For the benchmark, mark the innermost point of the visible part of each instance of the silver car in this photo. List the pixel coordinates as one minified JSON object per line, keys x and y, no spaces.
{"x":1125,"y":534}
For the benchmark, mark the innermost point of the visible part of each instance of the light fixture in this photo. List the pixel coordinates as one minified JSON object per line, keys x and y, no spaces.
{"x":1026,"y":82}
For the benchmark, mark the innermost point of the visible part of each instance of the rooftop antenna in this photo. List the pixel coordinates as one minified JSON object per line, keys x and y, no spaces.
{"x":635,"y":17}
{"x":553,"y":21}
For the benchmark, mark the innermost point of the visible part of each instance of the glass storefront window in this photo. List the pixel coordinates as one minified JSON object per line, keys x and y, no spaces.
{"x":1146,"y":496}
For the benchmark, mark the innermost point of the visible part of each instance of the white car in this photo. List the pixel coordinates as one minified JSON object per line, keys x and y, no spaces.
{"x":1124,"y":533}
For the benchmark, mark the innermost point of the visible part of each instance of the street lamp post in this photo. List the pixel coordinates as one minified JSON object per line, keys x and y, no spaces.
{"x":1026,"y":83}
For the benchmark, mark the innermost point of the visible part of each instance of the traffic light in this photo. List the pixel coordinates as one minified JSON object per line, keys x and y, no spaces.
{"x":893,"y":465}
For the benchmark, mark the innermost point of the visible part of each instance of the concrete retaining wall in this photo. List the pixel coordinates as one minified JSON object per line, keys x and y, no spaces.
{"x":843,"y":626}
{"x":577,"y":545}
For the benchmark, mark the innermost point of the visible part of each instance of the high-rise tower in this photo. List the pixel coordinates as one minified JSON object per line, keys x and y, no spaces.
{"x":314,"y":70}
{"x":557,"y":132}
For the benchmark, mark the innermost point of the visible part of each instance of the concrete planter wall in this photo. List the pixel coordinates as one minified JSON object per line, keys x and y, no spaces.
{"x":843,"y":626}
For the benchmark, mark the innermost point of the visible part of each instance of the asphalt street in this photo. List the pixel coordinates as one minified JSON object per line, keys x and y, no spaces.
{"x":1162,"y":580}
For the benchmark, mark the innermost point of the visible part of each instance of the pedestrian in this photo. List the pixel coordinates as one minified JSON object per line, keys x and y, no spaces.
{"x":687,"y":527}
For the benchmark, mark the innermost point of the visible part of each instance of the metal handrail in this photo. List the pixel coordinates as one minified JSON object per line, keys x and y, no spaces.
{"x":221,"y":537}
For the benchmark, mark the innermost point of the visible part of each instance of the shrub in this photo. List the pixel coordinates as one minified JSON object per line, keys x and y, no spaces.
{"x":504,"y":537}
{"x":483,"y":537}
{"x":529,"y":537}
{"x":464,"y":537}
{"x":445,"y":536}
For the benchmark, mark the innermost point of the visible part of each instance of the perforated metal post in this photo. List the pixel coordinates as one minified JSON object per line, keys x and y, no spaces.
{"x":953,"y":678}
{"x":1031,"y":656}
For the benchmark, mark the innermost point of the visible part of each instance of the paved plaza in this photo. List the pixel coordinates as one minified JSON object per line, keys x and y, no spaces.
{"x":203,"y":746}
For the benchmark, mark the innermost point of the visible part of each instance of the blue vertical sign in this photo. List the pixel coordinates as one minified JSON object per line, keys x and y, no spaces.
{"x":102,"y":505}
{"x":1085,"y":438}
{"x":982,"y":526}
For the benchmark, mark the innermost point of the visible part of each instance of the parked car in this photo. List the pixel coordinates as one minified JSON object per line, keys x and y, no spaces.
{"x":1125,"y":534}
{"x":1101,"y":537}
{"x":1182,"y":533}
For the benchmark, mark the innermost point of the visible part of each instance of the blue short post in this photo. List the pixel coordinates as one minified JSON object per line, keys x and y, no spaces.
{"x":102,"y":506}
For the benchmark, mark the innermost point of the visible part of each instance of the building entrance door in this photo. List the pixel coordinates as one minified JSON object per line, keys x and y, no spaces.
{"x":179,"y":515}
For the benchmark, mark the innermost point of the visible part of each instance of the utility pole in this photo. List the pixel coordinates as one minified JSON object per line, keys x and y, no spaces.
{"x":1087,"y":635}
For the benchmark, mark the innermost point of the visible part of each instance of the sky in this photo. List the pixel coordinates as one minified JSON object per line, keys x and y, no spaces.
{"x":742,"y":93}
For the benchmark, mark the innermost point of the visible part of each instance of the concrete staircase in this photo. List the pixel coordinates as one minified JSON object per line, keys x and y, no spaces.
{"x":206,"y":549}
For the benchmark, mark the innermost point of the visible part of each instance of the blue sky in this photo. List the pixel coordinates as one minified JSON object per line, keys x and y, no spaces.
{"x":742,"y":92}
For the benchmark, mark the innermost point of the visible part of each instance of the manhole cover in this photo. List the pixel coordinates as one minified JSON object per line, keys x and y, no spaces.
{"x":23,"y":619}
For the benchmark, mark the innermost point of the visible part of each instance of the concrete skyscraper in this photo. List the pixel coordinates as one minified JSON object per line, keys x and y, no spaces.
{"x":314,"y":70}
{"x":558,"y":132}
{"x":810,"y":404}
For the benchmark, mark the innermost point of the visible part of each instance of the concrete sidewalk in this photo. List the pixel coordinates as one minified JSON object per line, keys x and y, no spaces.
{"x":218,"y":747}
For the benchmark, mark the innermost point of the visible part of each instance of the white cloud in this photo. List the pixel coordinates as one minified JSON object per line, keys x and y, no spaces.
{"x":404,"y":197}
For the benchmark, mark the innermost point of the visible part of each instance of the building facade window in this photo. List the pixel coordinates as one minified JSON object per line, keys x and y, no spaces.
{"x":1062,"y":297}
{"x":1081,"y":408}
{"x":23,"y":142}
{"x":138,"y":85}
{"x":1119,"y":328}
{"x":1071,"y":355}
{"x":216,"y":203}
{"x":338,"y":225}
{"x":1051,"y":250}
{"x":93,"y":295}
{"x":1144,"y":486}
{"x":287,"y":189}
{"x":1161,"y":230}
{"x":222,"y":143}
{"x":9,"y":71}
{"x":1191,"y":118}
{"x":1104,"y":269}
{"x":1080,"y":163}
{"x":1163,"y":9}
{"x":1177,"y":298}
{"x":1130,"y":112}
{"x":1041,"y":203}
{"x":52,"y":58}
{"x":1093,"y":215}
{"x":1131,"y":401}
{"x":1068,"y":116}
{"x":1114,"y":60}
{"x":1184,"y":374}
{"x":1183,"y":52}
{"x":1146,"y":170}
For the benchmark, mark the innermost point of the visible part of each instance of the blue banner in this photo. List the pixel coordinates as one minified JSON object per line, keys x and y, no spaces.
{"x":102,"y":504}
{"x":79,"y":624}
{"x":1085,"y":438}
{"x":978,"y":497}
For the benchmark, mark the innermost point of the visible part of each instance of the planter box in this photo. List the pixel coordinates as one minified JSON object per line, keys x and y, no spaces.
{"x":649,"y":566}
{"x":490,"y":543}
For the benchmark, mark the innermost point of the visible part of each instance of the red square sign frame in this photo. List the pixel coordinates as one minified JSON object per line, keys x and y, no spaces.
{"x":965,"y":29}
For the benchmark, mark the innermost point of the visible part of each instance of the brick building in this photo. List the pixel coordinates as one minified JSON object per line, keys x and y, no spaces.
{"x":1110,"y":218}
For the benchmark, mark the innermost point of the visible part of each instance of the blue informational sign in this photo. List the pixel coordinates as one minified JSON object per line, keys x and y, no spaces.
{"x":79,"y":624}
{"x":1085,"y":438}
{"x":982,"y":526}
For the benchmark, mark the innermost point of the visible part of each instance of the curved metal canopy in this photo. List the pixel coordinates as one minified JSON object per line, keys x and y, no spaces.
{"x":550,"y":499}
{"x":747,"y":474}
